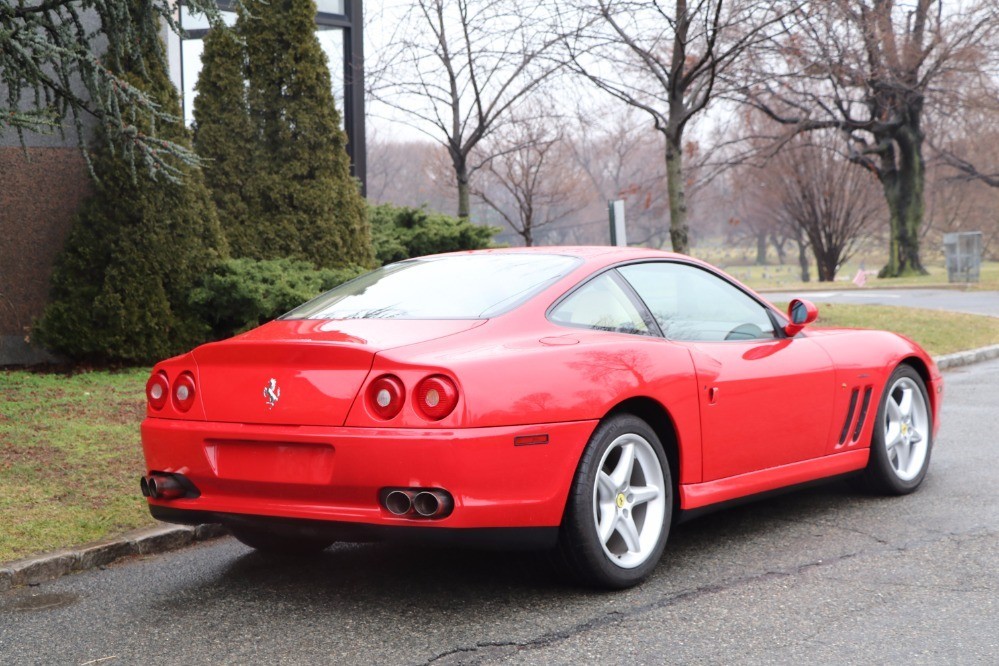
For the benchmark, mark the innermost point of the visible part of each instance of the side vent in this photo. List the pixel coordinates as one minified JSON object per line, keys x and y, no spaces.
{"x":863,"y":412}
{"x":849,"y":416}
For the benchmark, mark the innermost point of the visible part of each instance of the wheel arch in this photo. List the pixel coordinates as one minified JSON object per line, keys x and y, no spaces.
{"x":659,"y":419}
{"x":923,"y":370}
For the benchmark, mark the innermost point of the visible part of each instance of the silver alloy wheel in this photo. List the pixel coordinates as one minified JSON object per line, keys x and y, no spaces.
{"x":907,"y":433}
{"x":629,"y":501}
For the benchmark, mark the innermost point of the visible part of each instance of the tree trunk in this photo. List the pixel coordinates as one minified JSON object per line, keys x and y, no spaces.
{"x":803,"y":262}
{"x":903,"y":182}
{"x":464,"y":207}
{"x":679,"y":233}
{"x":761,"y":248}
{"x":779,"y":247}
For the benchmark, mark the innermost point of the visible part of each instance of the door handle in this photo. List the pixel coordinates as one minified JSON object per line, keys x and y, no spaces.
{"x":712,"y":395}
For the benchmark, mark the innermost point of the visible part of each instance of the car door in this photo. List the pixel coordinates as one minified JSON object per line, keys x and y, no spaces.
{"x":765,"y":399}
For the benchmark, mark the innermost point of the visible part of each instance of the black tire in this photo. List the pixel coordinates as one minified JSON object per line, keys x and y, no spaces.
{"x":268,"y":541}
{"x":882,"y":474}
{"x":580,"y":554}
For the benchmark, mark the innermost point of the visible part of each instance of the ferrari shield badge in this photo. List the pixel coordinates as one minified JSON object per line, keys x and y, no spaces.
{"x":272,"y":393}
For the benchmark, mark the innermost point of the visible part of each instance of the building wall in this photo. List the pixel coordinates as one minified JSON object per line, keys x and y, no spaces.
{"x":38,"y":201}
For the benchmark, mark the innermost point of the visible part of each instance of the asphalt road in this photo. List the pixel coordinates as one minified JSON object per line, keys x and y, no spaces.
{"x":973,"y":302}
{"x":823,"y":576}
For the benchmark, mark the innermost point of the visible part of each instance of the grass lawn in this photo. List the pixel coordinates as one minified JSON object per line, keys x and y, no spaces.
{"x":70,"y":456}
{"x":938,"y":332}
{"x":788,"y":276}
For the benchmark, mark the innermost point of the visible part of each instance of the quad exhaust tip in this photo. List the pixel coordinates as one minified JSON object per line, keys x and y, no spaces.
{"x":418,"y":502}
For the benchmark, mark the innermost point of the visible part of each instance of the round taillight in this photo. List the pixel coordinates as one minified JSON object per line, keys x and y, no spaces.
{"x":157,"y":390}
{"x":386,"y":395}
{"x":436,"y":397}
{"x":183,"y":392}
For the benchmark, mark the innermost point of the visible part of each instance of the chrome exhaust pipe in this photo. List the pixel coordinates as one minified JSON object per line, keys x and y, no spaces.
{"x":144,"y":486}
{"x":399,"y":502}
{"x":164,"y":487}
{"x":433,"y":503}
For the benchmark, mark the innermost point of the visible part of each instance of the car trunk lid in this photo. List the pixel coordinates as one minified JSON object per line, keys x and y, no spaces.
{"x":301,"y":372}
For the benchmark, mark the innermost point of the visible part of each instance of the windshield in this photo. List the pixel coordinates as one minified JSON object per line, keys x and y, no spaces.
{"x":472,"y":286}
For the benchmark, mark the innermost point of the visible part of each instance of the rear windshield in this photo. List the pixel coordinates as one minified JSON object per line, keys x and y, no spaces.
{"x":476,"y":286}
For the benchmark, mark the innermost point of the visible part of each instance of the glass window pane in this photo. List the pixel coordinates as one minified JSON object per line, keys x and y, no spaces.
{"x":690,"y":303}
{"x":331,"y":6}
{"x":190,"y":54}
{"x":457,"y":287}
{"x":331,"y":39}
{"x":600,"y":304}
{"x":196,"y":21}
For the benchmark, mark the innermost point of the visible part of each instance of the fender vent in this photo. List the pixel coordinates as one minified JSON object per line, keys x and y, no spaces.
{"x":849,"y":416}
{"x":863,"y":413}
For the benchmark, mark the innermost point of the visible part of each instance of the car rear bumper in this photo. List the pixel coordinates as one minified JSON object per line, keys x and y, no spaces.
{"x":336,"y":474}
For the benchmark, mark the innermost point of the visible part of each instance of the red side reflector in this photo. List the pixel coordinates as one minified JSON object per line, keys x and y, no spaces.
{"x":530,"y":440}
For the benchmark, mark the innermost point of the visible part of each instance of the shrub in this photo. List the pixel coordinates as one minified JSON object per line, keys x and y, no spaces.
{"x":268,"y":125}
{"x":402,"y":232}
{"x":120,"y":287}
{"x":243,"y":293}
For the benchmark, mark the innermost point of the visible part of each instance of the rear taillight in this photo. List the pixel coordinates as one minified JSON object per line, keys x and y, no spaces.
{"x":436,"y":397}
{"x":385,"y":396}
{"x":183,"y":392}
{"x":157,"y":390}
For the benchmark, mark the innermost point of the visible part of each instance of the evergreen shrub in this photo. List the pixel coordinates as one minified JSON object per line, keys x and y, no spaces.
{"x":121,"y":286}
{"x":243,"y":293}
{"x":403,"y":232}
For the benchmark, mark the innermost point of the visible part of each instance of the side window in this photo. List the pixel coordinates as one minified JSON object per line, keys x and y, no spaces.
{"x":600,"y":304}
{"x":690,"y":303}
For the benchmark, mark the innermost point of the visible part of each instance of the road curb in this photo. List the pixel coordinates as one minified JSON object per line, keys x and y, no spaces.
{"x":967,"y":357}
{"x":153,"y":540}
{"x":160,"y":539}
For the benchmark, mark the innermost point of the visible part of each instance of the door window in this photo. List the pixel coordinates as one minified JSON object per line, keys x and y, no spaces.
{"x":693,"y":304}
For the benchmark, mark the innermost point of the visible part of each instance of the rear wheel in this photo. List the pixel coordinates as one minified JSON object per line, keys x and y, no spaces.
{"x":903,"y":436}
{"x":618,"y":515}
{"x":268,"y":541}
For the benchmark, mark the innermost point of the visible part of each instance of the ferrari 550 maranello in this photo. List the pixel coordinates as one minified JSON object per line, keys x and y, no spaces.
{"x":574,"y":399}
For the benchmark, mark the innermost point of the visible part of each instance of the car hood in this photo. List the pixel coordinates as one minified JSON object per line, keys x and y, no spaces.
{"x":302,"y":372}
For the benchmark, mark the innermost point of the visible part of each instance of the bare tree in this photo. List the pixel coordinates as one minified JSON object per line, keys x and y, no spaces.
{"x":460,"y":68}
{"x":665,"y":59}
{"x":832,"y":202}
{"x":868,"y":68}
{"x":531,"y":182}
{"x":621,"y":158}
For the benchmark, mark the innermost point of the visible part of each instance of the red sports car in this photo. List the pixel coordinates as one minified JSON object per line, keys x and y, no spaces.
{"x":580,"y":399}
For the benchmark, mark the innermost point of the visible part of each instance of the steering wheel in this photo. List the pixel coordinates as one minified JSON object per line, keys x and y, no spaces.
{"x":745,"y":332}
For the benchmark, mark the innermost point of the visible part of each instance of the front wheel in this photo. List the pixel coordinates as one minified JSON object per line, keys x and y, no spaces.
{"x":903,"y":436}
{"x":618,"y":515}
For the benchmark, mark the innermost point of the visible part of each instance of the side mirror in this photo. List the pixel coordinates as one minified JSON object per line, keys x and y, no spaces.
{"x":801,"y":313}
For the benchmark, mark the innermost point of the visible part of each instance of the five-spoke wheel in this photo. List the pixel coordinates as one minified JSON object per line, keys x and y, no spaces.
{"x":618,"y":515}
{"x":629,"y":501}
{"x":903,"y":435}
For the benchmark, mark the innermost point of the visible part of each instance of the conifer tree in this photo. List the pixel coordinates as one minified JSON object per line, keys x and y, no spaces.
{"x":224,"y":136}
{"x":121,"y":286}
{"x":302,"y":201}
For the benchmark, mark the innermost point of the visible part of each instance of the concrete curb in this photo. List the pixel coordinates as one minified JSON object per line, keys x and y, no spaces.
{"x":41,"y":568}
{"x":35,"y":570}
{"x":967,"y":357}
